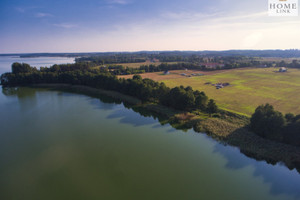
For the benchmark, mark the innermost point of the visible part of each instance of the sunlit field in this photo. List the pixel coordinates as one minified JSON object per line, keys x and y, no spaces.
{"x":248,"y":88}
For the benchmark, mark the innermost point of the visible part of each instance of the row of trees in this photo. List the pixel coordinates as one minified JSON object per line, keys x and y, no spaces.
{"x":184,"y":56}
{"x":293,"y":64}
{"x":121,"y":70}
{"x":112,"y":59}
{"x":271,"y":124}
{"x":145,"y":89}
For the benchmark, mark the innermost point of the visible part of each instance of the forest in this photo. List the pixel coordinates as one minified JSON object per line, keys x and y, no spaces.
{"x":146,"y":90}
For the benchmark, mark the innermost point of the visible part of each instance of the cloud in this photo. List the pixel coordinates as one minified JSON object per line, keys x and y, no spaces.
{"x":24,"y":9}
{"x":251,"y":16}
{"x":21,"y":10}
{"x":188,"y":15}
{"x":213,"y":16}
{"x":66,"y":25}
{"x":252,"y":40}
{"x":120,"y":2}
{"x":40,"y":15}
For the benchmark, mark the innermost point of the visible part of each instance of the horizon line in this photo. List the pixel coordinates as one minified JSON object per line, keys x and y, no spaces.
{"x":94,"y":52}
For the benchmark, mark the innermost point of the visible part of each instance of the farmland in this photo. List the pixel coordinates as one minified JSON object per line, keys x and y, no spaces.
{"x":137,"y":65}
{"x":174,"y":74}
{"x":248,"y":87}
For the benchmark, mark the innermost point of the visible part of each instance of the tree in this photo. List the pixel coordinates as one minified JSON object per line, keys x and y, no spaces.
{"x":201,"y":102}
{"x":292,"y":133}
{"x":212,"y":107}
{"x":188,"y":100}
{"x":289,"y":117}
{"x":267,"y":122}
{"x":21,"y":68}
{"x":136,"y":77}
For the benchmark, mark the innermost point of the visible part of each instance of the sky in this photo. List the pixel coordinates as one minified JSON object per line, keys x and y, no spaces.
{"x":34,"y":26}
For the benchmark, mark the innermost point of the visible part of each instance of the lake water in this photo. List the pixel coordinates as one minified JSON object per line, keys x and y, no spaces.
{"x":7,"y":61}
{"x":59,"y":145}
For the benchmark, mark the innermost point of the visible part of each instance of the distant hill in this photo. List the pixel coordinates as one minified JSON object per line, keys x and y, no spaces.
{"x":292,"y":53}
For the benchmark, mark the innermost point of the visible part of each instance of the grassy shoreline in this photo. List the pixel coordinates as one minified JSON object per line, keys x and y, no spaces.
{"x":228,"y":128}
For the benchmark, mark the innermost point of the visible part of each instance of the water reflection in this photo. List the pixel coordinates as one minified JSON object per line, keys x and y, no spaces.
{"x":281,"y":180}
{"x":127,"y":117}
{"x":26,"y":97}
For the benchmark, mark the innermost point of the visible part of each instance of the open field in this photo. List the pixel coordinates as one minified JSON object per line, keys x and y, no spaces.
{"x":137,"y":65}
{"x":174,"y":74}
{"x":248,"y":88}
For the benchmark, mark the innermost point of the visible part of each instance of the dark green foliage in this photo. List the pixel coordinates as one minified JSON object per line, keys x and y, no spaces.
{"x":17,"y":68}
{"x":212,"y":107}
{"x":113,"y":58}
{"x":137,"y":77}
{"x":271,"y":124}
{"x":180,"y":98}
{"x":292,"y":133}
{"x":200,"y":100}
{"x":267,"y":122}
{"x":81,"y":74}
{"x":289,"y":117}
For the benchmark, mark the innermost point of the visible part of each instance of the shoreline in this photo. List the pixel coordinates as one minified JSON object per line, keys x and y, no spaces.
{"x":231,"y":131}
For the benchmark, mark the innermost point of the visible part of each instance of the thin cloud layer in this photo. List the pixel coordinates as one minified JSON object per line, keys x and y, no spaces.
{"x":66,"y":25}
{"x":40,"y":15}
{"x":129,"y":25}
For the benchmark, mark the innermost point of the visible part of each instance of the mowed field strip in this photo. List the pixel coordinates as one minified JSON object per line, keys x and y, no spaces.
{"x":248,"y":88}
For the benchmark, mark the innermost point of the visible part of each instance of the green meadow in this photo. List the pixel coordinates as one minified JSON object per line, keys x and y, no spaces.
{"x":249,"y":88}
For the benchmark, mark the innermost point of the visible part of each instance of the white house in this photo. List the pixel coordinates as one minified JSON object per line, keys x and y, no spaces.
{"x":282,"y":69}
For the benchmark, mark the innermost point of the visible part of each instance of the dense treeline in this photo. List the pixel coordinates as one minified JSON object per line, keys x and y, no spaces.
{"x":273,"y":125}
{"x":121,"y":70}
{"x":293,"y":64}
{"x":145,"y":89}
{"x":197,"y":61}
{"x":113,"y":59}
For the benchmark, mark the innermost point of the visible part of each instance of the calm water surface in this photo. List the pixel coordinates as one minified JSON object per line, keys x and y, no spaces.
{"x":58,"y":145}
{"x":6,"y":61}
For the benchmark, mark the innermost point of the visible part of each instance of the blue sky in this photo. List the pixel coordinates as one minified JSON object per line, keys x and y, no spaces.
{"x":134,"y":25}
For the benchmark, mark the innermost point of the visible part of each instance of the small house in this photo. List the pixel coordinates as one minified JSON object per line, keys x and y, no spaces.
{"x":282,"y":69}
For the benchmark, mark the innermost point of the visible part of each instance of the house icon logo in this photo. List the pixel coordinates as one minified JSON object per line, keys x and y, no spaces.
{"x":283,"y":8}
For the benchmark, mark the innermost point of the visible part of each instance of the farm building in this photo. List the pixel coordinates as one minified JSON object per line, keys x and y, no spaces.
{"x":282,"y":69}
{"x":166,"y":72}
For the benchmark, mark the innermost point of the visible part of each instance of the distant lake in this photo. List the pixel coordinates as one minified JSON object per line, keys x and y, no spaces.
{"x":6,"y":61}
{"x":60,"y":145}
